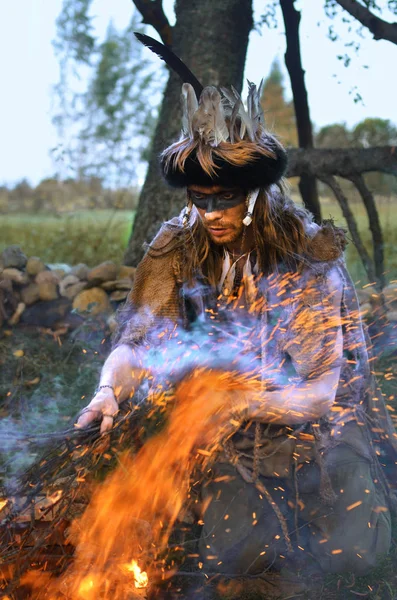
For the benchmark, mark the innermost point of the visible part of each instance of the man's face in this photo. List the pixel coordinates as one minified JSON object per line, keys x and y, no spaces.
{"x":221,"y":210}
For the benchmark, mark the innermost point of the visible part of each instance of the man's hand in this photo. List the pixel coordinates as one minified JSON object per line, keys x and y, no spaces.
{"x":102,"y":407}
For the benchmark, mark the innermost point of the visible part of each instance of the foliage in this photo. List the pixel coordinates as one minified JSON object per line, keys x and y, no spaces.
{"x":279,"y":113}
{"x":374,"y":132}
{"x":54,"y":196}
{"x":345,"y":27}
{"x":107,"y":98}
{"x":74,"y":28}
{"x":369,"y":132}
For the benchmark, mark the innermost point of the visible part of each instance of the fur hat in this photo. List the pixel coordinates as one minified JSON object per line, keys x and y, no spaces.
{"x":223,"y":143}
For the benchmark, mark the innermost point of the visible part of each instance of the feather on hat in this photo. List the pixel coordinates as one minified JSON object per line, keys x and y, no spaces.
{"x":222,"y":142}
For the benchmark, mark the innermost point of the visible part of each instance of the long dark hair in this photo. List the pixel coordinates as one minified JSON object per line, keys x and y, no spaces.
{"x":279,"y":228}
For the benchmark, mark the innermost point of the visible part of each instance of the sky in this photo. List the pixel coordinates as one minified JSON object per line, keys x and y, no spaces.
{"x":29,"y":70}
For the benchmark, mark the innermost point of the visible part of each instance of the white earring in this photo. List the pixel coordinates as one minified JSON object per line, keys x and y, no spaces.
{"x":252,"y":197}
{"x":186,"y":213}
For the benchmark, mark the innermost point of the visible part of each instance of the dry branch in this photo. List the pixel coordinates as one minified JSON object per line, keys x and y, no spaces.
{"x":343,"y":162}
{"x":374,"y":225}
{"x":380,"y":29}
{"x":352,"y":224}
{"x":154,"y":15}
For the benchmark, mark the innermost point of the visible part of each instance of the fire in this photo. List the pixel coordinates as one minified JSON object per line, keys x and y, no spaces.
{"x":134,"y":509}
{"x":3,"y":503}
{"x":86,"y":588}
{"x":141,"y":578}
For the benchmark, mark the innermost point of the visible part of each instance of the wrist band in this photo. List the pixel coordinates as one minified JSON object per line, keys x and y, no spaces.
{"x":100,"y":387}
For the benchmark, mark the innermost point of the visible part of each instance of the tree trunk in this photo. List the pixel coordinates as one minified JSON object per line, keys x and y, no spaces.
{"x":211,"y":38}
{"x":293,"y":61}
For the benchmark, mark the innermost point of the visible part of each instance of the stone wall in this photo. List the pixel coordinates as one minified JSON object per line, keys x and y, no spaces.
{"x":34,"y":293}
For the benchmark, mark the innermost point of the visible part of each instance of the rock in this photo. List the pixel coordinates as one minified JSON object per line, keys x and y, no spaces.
{"x":13,"y":257}
{"x":72,"y":290}
{"x":47,"y":277}
{"x":65,"y":268}
{"x":34,"y":266}
{"x":8,"y":300}
{"x":119,"y":295}
{"x":48,"y":285}
{"x":94,"y":301}
{"x":119,"y":284}
{"x":46,"y":314}
{"x":112,"y":323}
{"x":30,"y":294}
{"x":126,"y":272}
{"x":17,"y":314}
{"x":48,"y":290}
{"x":392,"y":315}
{"x":365,"y":310}
{"x":15,"y":275}
{"x":390,"y":293}
{"x":106,"y":271}
{"x":67,"y":282}
{"x":81,"y":271}
{"x":365,"y":294}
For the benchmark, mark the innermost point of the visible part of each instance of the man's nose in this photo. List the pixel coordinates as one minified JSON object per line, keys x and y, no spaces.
{"x":213,"y":214}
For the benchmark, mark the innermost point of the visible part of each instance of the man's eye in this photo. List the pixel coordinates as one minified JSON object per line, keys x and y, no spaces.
{"x":196,"y":196}
{"x":227,"y":196}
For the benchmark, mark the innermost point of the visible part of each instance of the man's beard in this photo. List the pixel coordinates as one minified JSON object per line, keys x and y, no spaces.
{"x":232,"y":235}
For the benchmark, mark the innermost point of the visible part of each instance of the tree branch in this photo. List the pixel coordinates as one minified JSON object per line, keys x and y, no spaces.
{"x":153,"y":14}
{"x":341,"y":161}
{"x":374,"y":225}
{"x":352,"y":224}
{"x":380,"y":29}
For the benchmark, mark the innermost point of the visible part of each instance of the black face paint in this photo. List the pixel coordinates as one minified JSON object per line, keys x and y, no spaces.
{"x":220,"y":201}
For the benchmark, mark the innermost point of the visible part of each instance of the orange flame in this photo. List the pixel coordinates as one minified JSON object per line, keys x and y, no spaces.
{"x":134,"y":510}
{"x":141,"y":577}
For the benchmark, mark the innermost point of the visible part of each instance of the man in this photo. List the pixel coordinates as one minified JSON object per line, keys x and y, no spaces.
{"x":297,"y":478}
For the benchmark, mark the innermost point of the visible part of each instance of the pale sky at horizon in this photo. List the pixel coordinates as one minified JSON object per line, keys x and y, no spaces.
{"x":29,"y":70}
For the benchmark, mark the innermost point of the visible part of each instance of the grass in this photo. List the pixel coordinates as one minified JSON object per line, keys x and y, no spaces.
{"x":388,"y":219}
{"x":89,"y":237}
{"x":44,"y":383}
{"x":94,"y":236}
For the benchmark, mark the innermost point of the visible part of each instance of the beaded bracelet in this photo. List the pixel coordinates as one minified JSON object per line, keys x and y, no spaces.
{"x":100,"y":387}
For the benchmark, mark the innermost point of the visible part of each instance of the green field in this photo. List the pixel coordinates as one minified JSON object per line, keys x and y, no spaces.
{"x":388,"y":217}
{"x":89,"y":237}
{"x":98,"y":235}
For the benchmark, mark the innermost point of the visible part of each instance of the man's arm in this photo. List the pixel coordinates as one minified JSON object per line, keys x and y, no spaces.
{"x":121,"y":373}
{"x":306,"y":401}
{"x":154,"y":296}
